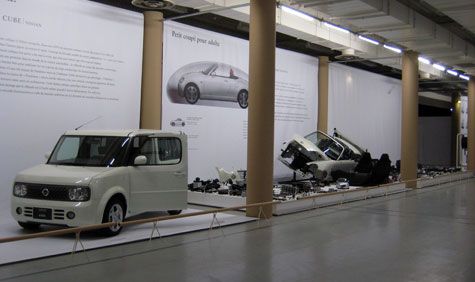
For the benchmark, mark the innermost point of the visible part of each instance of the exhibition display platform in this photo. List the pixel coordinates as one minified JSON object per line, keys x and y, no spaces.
{"x":316,"y":200}
{"x":51,"y":246}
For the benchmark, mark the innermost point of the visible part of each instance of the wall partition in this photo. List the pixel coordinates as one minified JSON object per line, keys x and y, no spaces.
{"x":62,"y":64}
{"x":366,"y":107}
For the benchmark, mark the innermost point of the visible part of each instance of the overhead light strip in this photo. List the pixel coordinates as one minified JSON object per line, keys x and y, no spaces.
{"x":466,"y":77}
{"x":392,"y":48}
{"x":372,"y":41}
{"x":452,"y":72}
{"x":335,"y":27}
{"x":438,"y":67}
{"x":297,"y":13}
{"x":424,"y":60}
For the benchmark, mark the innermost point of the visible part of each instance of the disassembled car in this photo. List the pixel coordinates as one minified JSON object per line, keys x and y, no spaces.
{"x":317,"y":155}
{"x":103,"y":176}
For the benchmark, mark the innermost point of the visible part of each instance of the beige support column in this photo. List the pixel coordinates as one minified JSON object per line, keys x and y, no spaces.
{"x":410,"y":116}
{"x":471,"y":124}
{"x":322,"y":121}
{"x":151,"y":105}
{"x":260,"y":144}
{"x":456,"y":113}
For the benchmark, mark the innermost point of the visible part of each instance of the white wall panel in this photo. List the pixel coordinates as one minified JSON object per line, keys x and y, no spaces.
{"x":366,"y":107}
{"x":63,"y":63}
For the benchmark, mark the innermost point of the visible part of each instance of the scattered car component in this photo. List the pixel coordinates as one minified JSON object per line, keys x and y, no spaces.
{"x":342,"y":183}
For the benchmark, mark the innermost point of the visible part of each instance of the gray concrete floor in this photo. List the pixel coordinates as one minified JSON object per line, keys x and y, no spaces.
{"x":425,"y":235}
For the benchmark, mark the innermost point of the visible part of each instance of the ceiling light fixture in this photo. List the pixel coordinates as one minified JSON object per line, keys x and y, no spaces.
{"x":424,"y":60}
{"x":297,"y":13}
{"x":392,"y":48}
{"x":452,"y":72}
{"x":438,"y":67}
{"x":372,"y":41}
{"x":466,"y":77}
{"x":335,"y":27}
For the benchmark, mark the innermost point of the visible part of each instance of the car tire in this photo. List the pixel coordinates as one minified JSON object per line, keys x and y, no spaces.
{"x":174,"y":212}
{"x":29,"y":225}
{"x":192,"y":93}
{"x":242,"y":98}
{"x":114,"y":212}
{"x":172,"y":123}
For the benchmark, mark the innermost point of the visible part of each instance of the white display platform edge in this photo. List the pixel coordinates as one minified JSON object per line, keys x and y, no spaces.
{"x":322,"y":200}
{"x":336,"y":198}
{"x":426,"y":182}
{"x":215,"y":200}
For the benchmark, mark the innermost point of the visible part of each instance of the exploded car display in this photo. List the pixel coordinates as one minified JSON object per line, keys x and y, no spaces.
{"x":317,"y":155}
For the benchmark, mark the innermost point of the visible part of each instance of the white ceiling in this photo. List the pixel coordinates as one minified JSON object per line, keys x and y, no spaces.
{"x":385,"y":20}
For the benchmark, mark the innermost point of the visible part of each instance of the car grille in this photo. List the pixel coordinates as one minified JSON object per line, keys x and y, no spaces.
{"x":47,"y":192}
{"x":57,"y":214}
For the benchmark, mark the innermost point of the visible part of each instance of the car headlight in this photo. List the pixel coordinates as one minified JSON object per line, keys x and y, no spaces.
{"x":20,"y":190}
{"x":181,"y":80}
{"x":79,"y":194}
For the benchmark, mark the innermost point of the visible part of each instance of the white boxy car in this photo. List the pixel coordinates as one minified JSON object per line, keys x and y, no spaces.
{"x":102,"y":176}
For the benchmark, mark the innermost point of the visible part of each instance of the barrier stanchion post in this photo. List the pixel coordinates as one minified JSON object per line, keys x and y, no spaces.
{"x":155,"y":227}
{"x":261,"y":212}
{"x":76,"y":241}
{"x":217,"y":221}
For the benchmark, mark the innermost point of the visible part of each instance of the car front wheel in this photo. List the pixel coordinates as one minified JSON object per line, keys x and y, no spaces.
{"x":242,"y":98}
{"x":192,"y":93}
{"x":114,"y":212}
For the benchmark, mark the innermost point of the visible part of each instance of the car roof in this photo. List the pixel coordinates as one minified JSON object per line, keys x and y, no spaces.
{"x":108,"y":132}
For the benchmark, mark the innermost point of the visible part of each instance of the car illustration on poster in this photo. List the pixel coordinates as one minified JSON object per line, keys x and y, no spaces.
{"x":209,"y":81}
{"x":177,"y":122}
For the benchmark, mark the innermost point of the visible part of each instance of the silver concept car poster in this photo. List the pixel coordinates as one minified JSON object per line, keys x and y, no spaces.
{"x":205,"y":95}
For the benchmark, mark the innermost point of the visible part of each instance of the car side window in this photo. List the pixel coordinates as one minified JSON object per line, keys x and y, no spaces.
{"x":157,"y":150}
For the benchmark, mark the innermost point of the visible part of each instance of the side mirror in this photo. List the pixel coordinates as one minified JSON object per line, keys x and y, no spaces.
{"x":47,"y":155}
{"x":140,"y":160}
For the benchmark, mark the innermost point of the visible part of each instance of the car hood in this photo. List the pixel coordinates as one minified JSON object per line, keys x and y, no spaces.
{"x":60,"y":174}
{"x":298,"y":152}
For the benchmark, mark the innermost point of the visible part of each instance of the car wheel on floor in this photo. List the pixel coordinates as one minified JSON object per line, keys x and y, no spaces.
{"x":114,"y":212}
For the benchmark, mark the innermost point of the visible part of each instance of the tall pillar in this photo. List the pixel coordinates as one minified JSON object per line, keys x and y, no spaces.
{"x":151,"y":105}
{"x":322,"y":122}
{"x":409,"y":123}
{"x":456,"y":113}
{"x":260,"y":146}
{"x":471,"y":125}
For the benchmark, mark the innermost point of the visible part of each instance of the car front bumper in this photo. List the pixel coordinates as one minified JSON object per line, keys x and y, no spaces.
{"x":33,"y":210}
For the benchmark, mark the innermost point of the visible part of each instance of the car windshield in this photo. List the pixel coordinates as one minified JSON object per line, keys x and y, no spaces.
{"x":326,"y":144}
{"x":99,"y":151}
